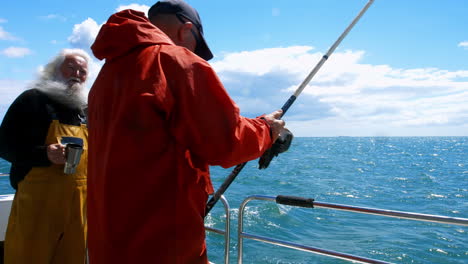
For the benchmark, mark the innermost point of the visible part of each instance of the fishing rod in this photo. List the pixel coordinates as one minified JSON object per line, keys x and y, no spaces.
{"x":210,"y":204}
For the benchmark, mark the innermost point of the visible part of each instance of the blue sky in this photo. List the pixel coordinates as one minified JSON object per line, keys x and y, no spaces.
{"x":402,"y":71}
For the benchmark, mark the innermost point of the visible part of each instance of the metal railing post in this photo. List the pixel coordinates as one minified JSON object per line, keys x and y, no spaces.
{"x":227,"y":229}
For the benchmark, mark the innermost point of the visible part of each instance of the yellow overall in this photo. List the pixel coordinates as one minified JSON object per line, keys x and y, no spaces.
{"x":47,"y":222}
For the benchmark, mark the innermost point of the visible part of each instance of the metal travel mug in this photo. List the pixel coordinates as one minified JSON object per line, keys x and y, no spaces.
{"x":73,"y":155}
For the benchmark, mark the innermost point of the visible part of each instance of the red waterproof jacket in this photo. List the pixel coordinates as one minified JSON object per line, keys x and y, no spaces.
{"x":158,"y":117}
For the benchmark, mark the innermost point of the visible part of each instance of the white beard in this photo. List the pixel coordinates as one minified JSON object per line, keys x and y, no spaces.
{"x":71,"y":96}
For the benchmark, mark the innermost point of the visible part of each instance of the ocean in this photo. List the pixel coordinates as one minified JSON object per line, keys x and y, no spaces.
{"x":427,"y":175}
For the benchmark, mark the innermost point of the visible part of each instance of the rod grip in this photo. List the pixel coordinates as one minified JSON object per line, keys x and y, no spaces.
{"x":288,"y":103}
{"x":295,"y":201}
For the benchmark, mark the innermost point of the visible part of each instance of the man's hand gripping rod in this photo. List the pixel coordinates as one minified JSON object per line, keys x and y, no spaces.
{"x":286,"y":106}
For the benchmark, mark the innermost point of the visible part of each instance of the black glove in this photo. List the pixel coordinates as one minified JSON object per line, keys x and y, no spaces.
{"x":281,"y":145}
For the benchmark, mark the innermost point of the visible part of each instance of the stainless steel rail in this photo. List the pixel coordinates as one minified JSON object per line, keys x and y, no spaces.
{"x":396,"y":214}
{"x":226,"y":232}
{"x":310,"y":203}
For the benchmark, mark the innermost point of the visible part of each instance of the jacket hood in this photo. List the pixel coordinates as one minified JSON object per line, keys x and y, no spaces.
{"x":125,"y":31}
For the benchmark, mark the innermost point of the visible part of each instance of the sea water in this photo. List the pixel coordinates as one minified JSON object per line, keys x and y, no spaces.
{"x":427,"y":175}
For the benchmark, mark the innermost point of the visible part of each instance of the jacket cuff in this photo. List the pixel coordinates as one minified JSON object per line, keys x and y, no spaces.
{"x":262,"y":117}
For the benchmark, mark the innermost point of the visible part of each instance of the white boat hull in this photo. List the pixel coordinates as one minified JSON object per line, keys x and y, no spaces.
{"x":5,"y":207}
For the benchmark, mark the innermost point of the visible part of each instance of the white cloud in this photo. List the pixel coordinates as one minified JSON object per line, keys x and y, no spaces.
{"x":5,"y":35}
{"x":16,"y":52}
{"x":137,"y":7}
{"x":84,"y":34}
{"x":267,"y":60}
{"x":53,"y":17}
{"x":2,"y":20}
{"x":347,"y":97}
{"x":463,"y":44}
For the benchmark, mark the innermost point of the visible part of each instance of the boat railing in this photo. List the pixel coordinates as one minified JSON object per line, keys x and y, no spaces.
{"x":310,"y":203}
{"x":226,"y":232}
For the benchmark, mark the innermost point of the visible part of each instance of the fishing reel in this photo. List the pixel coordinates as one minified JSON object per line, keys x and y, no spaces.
{"x":281,"y":145}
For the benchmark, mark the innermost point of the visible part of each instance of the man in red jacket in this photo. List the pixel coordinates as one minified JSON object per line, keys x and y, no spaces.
{"x":158,"y":118}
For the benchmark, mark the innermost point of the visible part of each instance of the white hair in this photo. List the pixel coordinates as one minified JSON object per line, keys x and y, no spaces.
{"x":52,"y":84}
{"x":51,"y":70}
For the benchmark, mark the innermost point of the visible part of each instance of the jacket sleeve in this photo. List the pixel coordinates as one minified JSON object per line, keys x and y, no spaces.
{"x":23,"y":131}
{"x":208,"y":121}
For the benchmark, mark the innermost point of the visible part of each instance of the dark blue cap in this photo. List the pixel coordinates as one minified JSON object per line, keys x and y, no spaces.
{"x":181,"y":8}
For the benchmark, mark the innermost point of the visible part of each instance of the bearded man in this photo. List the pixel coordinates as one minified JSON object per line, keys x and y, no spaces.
{"x":47,"y":222}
